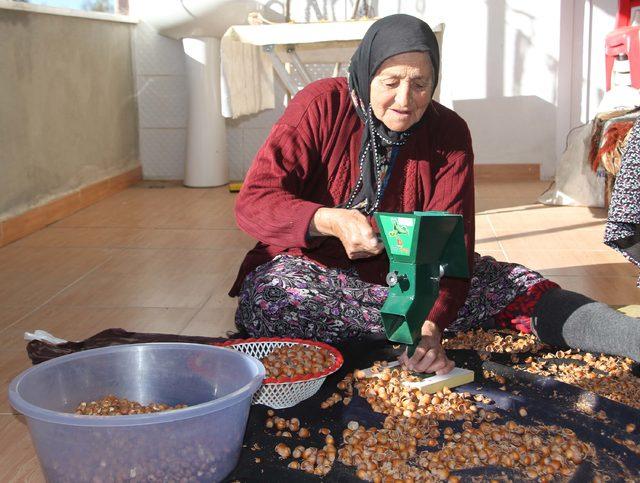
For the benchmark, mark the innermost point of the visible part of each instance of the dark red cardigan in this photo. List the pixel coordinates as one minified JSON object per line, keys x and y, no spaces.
{"x":310,"y":160}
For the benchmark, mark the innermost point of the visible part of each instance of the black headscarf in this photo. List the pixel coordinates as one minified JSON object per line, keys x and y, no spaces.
{"x":389,"y":36}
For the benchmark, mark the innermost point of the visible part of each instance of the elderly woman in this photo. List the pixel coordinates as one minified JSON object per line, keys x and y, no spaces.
{"x":376,"y":142}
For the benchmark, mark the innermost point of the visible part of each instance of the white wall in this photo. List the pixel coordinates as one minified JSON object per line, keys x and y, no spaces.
{"x":522,"y":73}
{"x":593,"y":19}
{"x":67,"y":106}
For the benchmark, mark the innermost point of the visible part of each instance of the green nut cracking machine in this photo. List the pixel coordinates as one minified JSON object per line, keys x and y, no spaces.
{"x":422,"y":247}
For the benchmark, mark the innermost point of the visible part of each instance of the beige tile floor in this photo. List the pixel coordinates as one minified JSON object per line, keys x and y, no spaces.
{"x":161,"y":258}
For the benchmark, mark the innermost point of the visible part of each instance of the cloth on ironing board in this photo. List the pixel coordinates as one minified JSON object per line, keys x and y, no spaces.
{"x":247,"y":71}
{"x":247,"y":78}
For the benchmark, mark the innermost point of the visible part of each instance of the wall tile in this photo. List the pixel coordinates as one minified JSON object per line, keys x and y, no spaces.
{"x":156,"y":54}
{"x":235,"y":153}
{"x":163,"y":153}
{"x":162,"y":101}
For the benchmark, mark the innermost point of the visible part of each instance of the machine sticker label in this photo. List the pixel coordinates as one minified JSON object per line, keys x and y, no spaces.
{"x":399,"y":233}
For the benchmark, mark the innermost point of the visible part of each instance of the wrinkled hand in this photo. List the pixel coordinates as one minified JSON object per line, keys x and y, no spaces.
{"x":429,"y":356}
{"x":351,"y":227}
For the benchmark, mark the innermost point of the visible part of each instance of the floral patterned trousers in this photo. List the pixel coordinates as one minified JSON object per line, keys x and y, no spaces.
{"x":292,"y":296}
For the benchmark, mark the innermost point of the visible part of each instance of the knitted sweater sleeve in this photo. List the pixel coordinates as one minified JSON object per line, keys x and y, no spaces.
{"x":270,"y":206}
{"x":454,"y":193}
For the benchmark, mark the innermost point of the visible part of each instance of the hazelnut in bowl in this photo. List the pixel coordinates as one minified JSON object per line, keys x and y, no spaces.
{"x":139,"y":412}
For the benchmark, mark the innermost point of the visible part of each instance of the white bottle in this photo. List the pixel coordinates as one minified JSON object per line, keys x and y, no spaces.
{"x":621,"y":96}
{"x":621,"y":72}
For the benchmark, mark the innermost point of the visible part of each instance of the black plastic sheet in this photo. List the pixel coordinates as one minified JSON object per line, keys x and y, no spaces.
{"x":547,"y":402}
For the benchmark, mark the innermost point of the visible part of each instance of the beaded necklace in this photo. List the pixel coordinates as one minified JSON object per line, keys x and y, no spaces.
{"x":379,"y":173}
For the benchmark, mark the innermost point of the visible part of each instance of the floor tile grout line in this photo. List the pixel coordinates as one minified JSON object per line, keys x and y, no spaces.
{"x":55,"y":295}
{"x":543,"y":250}
{"x":170,"y":212}
{"x":198,"y":310}
{"x":195,"y":309}
{"x":504,"y":252}
{"x":590,"y":226}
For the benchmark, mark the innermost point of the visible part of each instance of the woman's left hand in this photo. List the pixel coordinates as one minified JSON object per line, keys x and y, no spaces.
{"x":429,"y":355}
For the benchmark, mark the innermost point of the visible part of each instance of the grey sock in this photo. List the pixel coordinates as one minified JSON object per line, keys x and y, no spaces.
{"x":565,"y":318}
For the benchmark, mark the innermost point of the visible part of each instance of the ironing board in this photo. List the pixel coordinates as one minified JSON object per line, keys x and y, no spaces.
{"x":250,"y":53}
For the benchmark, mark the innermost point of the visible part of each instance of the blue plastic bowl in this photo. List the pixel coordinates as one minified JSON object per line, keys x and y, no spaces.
{"x":199,"y":443}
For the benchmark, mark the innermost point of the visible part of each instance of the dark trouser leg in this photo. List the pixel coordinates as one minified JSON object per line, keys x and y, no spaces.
{"x":564,"y":318}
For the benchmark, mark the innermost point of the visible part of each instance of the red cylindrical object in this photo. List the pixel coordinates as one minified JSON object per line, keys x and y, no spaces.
{"x":624,"y":12}
{"x":624,"y":39}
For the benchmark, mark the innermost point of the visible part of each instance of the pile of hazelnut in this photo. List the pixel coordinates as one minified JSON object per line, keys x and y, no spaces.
{"x":114,"y":406}
{"x":316,"y":461}
{"x":313,"y":460}
{"x":409,"y":448}
{"x":345,"y":386}
{"x":387,"y":393}
{"x":392,"y":453}
{"x":503,"y":341}
{"x":607,"y":376}
{"x":296,"y":360}
{"x":285,"y":427}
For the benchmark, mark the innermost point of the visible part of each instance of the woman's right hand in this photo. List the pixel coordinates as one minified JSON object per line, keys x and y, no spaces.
{"x":351,"y":227}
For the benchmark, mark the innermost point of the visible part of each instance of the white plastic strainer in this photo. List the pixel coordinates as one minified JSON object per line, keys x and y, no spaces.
{"x":285,"y":392}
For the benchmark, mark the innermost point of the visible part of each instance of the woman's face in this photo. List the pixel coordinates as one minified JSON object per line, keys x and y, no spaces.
{"x":401,"y":90}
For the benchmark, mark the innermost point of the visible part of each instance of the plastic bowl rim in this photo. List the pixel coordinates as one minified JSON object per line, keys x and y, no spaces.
{"x":70,"y":419}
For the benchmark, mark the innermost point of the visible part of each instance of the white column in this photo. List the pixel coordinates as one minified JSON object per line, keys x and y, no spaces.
{"x":206,"y":164}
